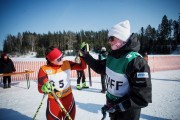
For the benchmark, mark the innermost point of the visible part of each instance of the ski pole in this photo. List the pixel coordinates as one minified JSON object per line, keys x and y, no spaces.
{"x":27,"y":79}
{"x":61,"y":105}
{"x":39,"y":106}
{"x":89,"y":70}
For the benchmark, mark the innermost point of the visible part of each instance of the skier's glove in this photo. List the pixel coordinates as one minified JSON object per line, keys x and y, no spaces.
{"x":83,"y":51}
{"x":83,"y":46}
{"x":123,"y":106}
{"x":107,"y":108}
{"x":47,"y":87}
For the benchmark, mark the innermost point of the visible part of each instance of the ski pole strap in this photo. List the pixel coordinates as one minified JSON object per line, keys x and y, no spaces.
{"x":61,"y":94}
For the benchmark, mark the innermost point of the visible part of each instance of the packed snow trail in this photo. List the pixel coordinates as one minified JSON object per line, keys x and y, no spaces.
{"x":20,"y":103}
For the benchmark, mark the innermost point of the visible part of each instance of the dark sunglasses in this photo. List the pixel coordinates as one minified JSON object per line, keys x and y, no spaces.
{"x":111,"y":39}
{"x":60,"y":58}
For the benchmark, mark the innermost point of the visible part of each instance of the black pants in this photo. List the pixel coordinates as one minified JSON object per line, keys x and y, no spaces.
{"x":127,"y":115}
{"x":80,"y":74}
{"x":5,"y":78}
{"x":103,"y":82}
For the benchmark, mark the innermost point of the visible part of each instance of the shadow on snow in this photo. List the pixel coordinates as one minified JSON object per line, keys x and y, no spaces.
{"x":90,"y":107}
{"x":177,"y":80}
{"x":10,"y":114}
{"x":148,"y":117}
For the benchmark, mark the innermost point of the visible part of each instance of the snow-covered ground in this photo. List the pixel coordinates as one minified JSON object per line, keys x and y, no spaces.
{"x":20,"y":103}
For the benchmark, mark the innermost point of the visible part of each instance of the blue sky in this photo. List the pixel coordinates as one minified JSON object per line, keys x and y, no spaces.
{"x":41,"y":16}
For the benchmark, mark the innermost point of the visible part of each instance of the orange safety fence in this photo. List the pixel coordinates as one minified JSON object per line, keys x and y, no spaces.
{"x":164,"y":62}
{"x":156,"y":63}
{"x":22,"y":65}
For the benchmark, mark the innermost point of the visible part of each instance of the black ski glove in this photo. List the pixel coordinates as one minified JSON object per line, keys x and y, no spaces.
{"x":123,"y":106}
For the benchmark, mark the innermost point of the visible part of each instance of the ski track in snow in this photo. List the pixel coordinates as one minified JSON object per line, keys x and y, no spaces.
{"x":20,"y":103}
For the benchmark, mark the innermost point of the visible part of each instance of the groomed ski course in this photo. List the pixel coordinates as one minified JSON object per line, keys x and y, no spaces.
{"x":20,"y":103}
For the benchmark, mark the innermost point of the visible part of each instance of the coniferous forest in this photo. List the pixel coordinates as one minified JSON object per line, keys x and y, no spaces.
{"x":162,"y":40}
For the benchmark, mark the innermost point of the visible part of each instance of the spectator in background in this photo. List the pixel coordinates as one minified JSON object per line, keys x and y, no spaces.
{"x":102,"y":57}
{"x":145,"y":55}
{"x":80,"y":75}
{"x":7,"y":66}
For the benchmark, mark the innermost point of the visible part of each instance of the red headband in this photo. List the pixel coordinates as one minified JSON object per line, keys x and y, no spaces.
{"x":54,"y":54}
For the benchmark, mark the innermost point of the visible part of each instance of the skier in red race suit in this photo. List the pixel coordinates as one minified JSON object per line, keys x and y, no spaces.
{"x":58,"y":71}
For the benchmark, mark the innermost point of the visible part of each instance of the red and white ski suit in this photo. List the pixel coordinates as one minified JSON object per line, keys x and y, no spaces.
{"x":60,"y":75}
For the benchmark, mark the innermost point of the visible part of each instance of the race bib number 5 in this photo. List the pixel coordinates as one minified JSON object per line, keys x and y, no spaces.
{"x":61,"y":84}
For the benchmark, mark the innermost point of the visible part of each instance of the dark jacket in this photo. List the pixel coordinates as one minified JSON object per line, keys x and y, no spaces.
{"x":140,"y":93}
{"x":6,"y":66}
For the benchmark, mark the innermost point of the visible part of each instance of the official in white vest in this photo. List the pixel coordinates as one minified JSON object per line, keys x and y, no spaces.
{"x":128,"y":74}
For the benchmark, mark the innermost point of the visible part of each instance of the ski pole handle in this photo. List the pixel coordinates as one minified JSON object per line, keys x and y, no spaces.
{"x":87,"y":47}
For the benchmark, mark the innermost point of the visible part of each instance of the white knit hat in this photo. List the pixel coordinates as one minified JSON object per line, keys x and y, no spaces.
{"x":103,"y":49}
{"x":120,"y":30}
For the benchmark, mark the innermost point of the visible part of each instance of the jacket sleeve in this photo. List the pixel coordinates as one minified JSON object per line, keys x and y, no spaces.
{"x":99,"y":66}
{"x":139,"y":76}
{"x":76,"y":66}
{"x":42,"y":79}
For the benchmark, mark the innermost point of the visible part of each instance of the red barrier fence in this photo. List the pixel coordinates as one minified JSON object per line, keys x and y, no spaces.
{"x":156,"y":63}
{"x":163,"y":62}
{"x":34,"y":65}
